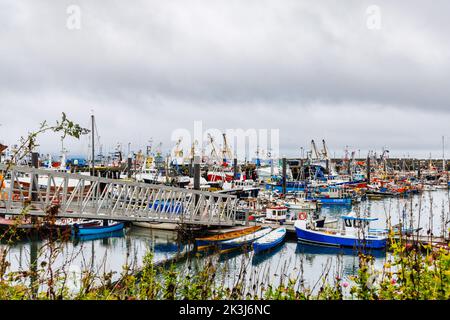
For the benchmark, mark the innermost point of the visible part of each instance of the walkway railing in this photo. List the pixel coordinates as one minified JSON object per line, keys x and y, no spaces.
{"x":84,"y":196}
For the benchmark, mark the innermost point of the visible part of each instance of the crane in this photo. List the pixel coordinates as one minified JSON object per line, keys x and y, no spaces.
{"x":313,"y":147}
{"x":214,"y":154}
{"x":226,"y":152}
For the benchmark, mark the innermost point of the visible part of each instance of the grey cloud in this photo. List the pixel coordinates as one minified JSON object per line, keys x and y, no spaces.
{"x":310,"y":69}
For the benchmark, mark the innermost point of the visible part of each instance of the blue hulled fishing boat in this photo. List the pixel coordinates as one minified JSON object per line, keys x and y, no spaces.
{"x":355,"y":233}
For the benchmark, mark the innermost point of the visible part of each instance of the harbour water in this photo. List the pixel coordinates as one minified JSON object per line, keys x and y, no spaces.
{"x":291,"y":259}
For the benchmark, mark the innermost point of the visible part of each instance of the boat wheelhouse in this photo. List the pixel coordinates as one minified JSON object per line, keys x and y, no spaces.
{"x":277,"y":213}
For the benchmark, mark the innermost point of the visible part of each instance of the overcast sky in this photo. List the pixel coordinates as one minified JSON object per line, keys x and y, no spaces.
{"x":313,"y":69}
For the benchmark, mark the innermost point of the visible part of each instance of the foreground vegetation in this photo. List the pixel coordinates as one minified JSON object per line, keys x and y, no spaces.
{"x":407,"y":274}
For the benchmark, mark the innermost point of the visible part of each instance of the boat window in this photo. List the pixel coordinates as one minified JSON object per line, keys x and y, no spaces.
{"x":348,"y":223}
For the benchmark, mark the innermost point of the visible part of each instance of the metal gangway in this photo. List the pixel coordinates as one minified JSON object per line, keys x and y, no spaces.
{"x":35,"y":191}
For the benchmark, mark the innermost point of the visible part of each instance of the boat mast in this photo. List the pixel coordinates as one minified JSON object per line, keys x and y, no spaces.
{"x":443,"y":153}
{"x":93,"y":147}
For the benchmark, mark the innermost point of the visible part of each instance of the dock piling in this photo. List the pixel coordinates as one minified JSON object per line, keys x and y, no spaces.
{"x":129,"y":164}
{"x":197,"y":173}
{"x":196,"y":176}
{"x":191,"y":174}
{"x":418,"y":170}
{"x":235,"y":171}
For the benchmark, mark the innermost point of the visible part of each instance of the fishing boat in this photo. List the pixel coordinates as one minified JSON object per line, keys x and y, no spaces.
{"x":83,"y":230}
{"x":244,"y":240}
{"x":220,"y":176}
{"x":150,"y":175}
{"x":333,"y":196}
{"x":270,"y":240}
{"x":215,"y":239}
{"x":354,"y":233}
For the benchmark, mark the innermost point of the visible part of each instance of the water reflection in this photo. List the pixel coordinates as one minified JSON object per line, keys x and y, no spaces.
{"x":303,"y":248}
{"x":265,"y":256}
{"x":97,"y":252}
{"x":290,"y":258}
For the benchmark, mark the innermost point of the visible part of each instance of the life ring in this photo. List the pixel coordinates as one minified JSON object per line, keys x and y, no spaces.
{"x":302,"y":216}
